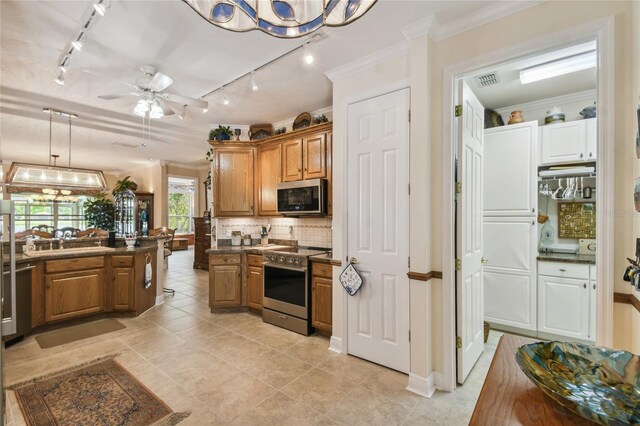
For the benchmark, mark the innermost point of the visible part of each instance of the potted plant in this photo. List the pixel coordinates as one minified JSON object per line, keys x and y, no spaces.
{"x":222,"y":133}
{"x":99,"y":212}
{"x":123,"y":185}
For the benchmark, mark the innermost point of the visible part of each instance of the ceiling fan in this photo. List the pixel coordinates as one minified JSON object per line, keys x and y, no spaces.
{"x":154,"y":102}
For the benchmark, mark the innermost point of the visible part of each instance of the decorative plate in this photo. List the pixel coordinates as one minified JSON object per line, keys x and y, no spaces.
{"x":599,"y":384}
{"x":303,"y":120}
{"x":350,"y":279}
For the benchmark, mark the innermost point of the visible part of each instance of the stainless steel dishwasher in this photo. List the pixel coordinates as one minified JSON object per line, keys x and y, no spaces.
{"x":23,"y":302}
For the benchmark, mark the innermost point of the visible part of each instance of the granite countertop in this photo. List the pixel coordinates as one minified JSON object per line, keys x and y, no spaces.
{"x":567,"y":258}
{"x":325,"y":258}
{"x":258,"y":249}
{"x":71,"y":253}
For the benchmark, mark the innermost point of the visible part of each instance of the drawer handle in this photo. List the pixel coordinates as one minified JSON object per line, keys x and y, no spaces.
{"x":584,"y":285}
{"x":282,"y":316}
{"x":594,"y":286}
{"x":563,"y":270}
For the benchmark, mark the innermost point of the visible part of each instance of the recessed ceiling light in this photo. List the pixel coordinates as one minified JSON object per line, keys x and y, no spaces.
{"x":308,"y":56}
{"x":204,"y":110}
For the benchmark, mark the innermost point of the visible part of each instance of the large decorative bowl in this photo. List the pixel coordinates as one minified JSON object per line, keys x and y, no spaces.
{"x":599,"y":384}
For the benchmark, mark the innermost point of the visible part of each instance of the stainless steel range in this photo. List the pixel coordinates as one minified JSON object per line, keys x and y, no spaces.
{"x":287,"y":289}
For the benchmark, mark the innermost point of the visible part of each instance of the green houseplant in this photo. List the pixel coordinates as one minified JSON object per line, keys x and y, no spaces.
{"x":99,"y":212}
{"x":124,"y":184}
{"x":222,"y":133}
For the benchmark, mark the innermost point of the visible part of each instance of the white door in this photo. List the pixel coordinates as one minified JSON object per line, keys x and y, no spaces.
{"x":469,"y":286}
{"x":510,"y":170}
{"x":378,"y":228}
{"x":510,"y":281}
{"x":563,"y":306}
{"x":563,"y":142}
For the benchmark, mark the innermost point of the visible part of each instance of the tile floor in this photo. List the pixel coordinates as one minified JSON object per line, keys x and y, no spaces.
{"x":233,"y":368}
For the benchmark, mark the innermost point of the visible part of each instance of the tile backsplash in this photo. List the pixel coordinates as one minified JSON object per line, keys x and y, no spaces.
{"x":313,"y":232}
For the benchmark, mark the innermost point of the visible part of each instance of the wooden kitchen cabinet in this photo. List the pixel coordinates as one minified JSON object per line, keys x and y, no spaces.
{"x":225,"y":281}
{"x":123,"y":281}
{"x":233,"y":181}
{"x":202,"y":242}
{"x":255,"y":281}
{"x":292,"y":160}
{"x":269,"y":176}
{"x":314,"y":156}
{"x":73,"y":294}
{"x":321,"y":296}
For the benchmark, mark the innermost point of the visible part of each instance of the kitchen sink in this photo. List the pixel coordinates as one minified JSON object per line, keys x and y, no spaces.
{"x":74,"y":250}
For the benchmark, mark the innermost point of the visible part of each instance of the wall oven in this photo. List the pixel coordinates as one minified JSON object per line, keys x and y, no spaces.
{"x":305,"y":197}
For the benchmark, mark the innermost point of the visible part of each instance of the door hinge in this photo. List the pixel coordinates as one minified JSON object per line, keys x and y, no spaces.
{"x":458,"y":342}
{"x":409,"y":116}
{"x":458,"y":187}
{"x":458,"y":111}
{"x":409,"y":335}
{"x":409,"y":188}
{"x":458,"y":264}
{"x":409,"y":262}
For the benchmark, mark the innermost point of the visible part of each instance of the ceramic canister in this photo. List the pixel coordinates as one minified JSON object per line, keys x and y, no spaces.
{"x":516,"y":117}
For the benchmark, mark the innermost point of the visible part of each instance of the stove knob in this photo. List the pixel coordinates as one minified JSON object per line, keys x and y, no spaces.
{"x":297,"y":261}
{"x":290,"y":260}
{"x":281,"y":259}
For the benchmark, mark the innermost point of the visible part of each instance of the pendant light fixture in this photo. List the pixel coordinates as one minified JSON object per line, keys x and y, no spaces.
{"x":280,"y":18}
{"x":23,"y":177}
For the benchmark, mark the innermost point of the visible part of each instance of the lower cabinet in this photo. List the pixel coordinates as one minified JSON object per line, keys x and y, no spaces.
{"x":73,"y":294}
{"x":225,"y":280}
{"x":321,"y":296}
{"x":255,"y":281}
{"x":123,"y":282}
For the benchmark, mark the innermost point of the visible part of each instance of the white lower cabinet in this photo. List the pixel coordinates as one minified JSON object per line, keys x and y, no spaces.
{"x":567,"y":303}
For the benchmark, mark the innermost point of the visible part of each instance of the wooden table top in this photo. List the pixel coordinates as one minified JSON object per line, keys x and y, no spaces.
{"x":508,"y":397}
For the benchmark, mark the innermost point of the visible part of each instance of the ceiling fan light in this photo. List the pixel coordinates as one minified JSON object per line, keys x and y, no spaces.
{"x":155,"y":111}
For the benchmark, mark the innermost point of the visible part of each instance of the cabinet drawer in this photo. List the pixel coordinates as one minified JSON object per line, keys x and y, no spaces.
{"x":224,"y":259}
{"x":593,"y":272}
{"x":254,"y":260}
{"x":76,"y":264}
{"x":564,"y":270}
{"x":122,"y":261}
{"x":321,"y":270}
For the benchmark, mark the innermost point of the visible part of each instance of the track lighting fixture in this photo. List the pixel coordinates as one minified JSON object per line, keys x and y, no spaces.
{"x":101,"y":7}
{"x":254,"y":85}
{"x":225,"y":100}
{"x":77,"y":43}
{"x":204,"y":110}
{"x":60,"y":79}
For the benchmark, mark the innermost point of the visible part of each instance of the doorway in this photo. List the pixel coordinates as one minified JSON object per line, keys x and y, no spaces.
{"x":454,"y":326}
{"x":378,"y":229}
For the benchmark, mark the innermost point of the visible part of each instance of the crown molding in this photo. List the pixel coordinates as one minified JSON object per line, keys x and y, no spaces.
{"x":470,"y":21}
{"x":572,"y":97}
{"x":381,"y":56}
{"x":419,"y":28}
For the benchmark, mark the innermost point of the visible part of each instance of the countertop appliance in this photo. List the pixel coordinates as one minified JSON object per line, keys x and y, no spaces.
{"x":304,"y":197}
{"x":287,"y":288}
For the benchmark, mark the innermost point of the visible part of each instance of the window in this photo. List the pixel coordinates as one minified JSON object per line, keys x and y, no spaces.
{"x":181,"y":204}
{"x":30,"y":213}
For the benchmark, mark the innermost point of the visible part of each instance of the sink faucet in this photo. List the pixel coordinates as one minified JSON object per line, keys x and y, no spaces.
{"x":61,"y":243}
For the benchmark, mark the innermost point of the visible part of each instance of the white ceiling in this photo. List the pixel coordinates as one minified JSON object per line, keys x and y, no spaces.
{"x":509,"y":91}
{"x":197,"y":55}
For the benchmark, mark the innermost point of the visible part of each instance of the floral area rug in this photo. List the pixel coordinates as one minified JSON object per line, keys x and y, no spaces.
{"x":101,"y":392}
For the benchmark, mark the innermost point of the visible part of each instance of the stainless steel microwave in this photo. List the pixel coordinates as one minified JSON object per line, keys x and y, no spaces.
{"x":304,"y":197}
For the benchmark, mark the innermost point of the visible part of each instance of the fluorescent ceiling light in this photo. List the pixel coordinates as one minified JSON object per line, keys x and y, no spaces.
{"x":559,"y":67}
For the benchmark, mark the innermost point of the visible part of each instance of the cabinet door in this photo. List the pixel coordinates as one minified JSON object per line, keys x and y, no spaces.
{"x":226,"y":285}
{"x":123,"y":282}
{"x":315,"y":156}
{"x":73,"y":294}
{"x":234,"y":174}
{"x":321,"y":302}
{"x":255,"y":287}
{"x":510,"y":187}
{"x":269,"y":170}
{"x":591,"y":150}
{"x":292,"y":160}
{"x":563,"y":307}
{"x":563,"y":142}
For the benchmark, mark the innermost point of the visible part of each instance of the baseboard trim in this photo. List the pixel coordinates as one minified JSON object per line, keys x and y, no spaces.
{"x":438,"y":381}
{"x":159,"y":300}
{"x":335,"y":344}
{"x":423,"y":386}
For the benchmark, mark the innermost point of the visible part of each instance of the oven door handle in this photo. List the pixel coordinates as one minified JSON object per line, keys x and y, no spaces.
{"x":291,"y":268}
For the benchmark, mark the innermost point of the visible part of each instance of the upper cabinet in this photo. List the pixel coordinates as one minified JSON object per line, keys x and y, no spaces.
{"x":269,"y":169}
{"x":570,"y":142}
{"x":244,"y":172}
{"x":233,"y":172}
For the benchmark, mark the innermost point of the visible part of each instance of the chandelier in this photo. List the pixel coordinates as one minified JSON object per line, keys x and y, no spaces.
{"x":54,"y":195}
{"x":280,"y":18}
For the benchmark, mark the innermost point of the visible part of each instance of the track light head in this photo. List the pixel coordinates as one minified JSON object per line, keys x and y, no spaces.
{"x":254,"y":85}
{"x":60,"y":79}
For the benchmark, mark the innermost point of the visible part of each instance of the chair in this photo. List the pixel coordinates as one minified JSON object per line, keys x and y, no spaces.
{"x":66,"y":232}
{"x":92,"y":232}
{"x":168,"y":242}
{"x":44,"y":228}
{"x":168,"y":246}
{"x":32,"y":233}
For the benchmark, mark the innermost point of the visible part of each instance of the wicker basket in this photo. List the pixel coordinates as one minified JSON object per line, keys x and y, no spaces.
{"x":487,"y":328}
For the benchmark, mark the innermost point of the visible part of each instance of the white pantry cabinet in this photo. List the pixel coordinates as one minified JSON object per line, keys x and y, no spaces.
{"x":569,"y":142}
{"x":566,"y":300}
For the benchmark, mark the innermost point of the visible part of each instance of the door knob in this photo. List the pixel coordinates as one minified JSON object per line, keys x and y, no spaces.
{"x":484,"y":260}
{"x":353,"y":260}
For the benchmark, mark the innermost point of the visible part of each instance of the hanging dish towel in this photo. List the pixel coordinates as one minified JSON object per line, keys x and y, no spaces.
{"x":351,"y":279}
{"x":148,"y":272}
